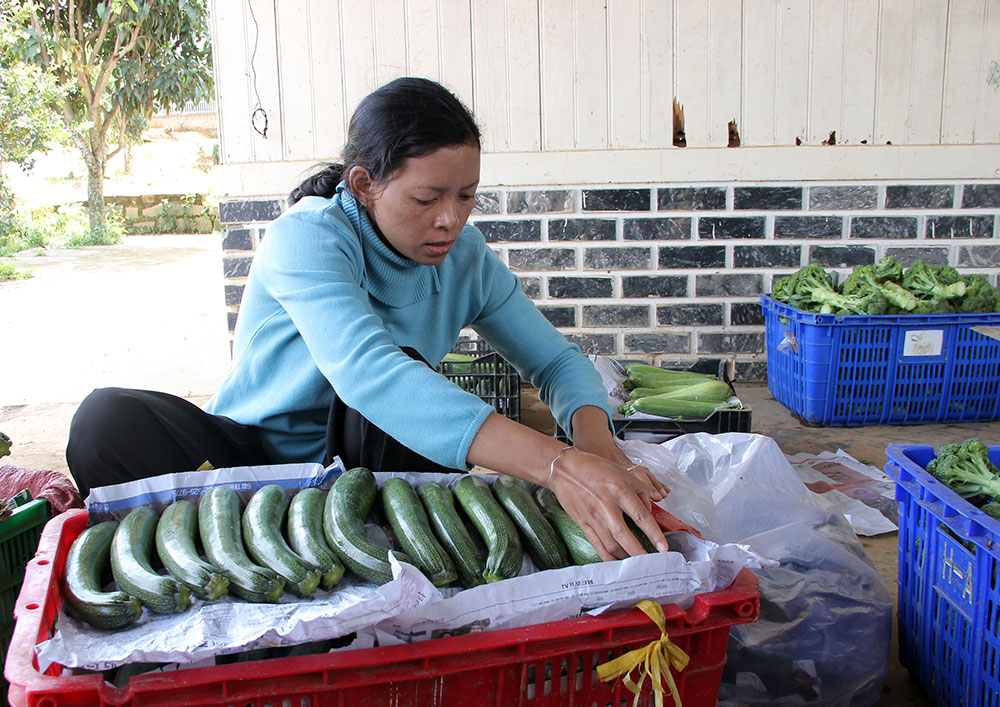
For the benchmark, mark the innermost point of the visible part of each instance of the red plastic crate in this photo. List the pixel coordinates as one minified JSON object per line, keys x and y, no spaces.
{"x":503,"y":667}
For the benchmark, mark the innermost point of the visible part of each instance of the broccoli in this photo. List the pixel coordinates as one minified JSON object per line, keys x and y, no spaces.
{"x":816,"y":287}
{"x":992,"y":509}
{"x":934,"y":306}
{"x":888,"y":268}
{"x":930,"y":282}
{"x":966,"y":468}
{"x":812,"y":289}
{"x":980,"y":295}
{"x":863,"y":276}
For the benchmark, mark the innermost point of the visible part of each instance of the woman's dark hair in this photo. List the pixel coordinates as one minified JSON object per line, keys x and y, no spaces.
{"x":408,"y":117}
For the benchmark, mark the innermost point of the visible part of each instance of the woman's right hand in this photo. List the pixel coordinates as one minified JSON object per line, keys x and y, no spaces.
{"x":598,"y":494}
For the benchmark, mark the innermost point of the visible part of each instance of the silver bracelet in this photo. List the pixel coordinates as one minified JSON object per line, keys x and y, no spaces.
{"x":552,"y":466}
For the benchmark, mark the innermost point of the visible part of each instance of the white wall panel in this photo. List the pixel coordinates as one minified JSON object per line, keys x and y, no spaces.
{"x":391,"y":48}
{"x":826,"y":70}
{"x":657,"y":68}
{"x":558,"y":75}
{"x":328,"y":98}
{"x":299,"y":120}
{"x":987,"y":77}
{"x":628,"y":111}
{"x":691,"y":41}
{"x":357,"y":40}
{"x":556,"y":69}
{"x":792,"y":58}
{"x":760,"y":72}
{"x":725,"y":70}
{"x":591,"y":74}
{"x":860,"y":30}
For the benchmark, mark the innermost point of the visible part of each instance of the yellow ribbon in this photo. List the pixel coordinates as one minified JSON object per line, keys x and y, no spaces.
{"x":654,"y":660}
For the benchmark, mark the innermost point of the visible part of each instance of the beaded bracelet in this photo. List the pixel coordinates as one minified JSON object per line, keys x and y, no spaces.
{"x":552,"y":466}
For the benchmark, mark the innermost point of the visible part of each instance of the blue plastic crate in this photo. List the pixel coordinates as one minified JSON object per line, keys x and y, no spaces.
{"x":886,"y":369}
{"x":949,"y":590}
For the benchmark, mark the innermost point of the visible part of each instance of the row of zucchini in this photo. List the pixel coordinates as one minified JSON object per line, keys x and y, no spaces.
{"x":300,"y":543}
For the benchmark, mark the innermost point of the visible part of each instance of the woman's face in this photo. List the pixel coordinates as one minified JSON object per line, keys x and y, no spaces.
{"x":423,"y":208}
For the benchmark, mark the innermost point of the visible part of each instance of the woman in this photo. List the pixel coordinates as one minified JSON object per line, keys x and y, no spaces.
{"x":371,"y":274}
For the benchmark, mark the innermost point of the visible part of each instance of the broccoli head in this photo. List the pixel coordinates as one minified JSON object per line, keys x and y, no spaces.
{"x":966,"y":468}
{"x":888,"y":268}
{"x":980,"y":295}
{"x":934,"y":306}
{"x":816,"y":287}
{"x":928,"y":282}
{"x":863,"y":276}
{"x":992,"y":509}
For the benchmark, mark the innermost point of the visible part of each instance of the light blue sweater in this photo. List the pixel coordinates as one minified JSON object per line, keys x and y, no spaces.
{"x":327,"y":307}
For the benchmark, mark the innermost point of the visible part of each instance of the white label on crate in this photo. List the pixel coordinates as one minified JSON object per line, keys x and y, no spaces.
{"x":991,"y":331}
{"x":923,"y":342}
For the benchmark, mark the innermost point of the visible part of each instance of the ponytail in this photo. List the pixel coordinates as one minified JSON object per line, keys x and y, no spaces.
{"x":323,"y":183}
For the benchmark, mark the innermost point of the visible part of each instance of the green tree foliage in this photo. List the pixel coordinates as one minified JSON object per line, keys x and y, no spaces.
{"x":27,"y":122}
{"x":121,"y":60}
{"x":27,"y":95}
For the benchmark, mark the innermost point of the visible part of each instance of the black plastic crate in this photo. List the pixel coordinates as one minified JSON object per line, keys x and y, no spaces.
{"x":486,"y":374}
{"x":666,"y":428}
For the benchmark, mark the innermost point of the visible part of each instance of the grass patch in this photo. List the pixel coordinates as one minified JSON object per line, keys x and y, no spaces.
{"x":9,"y":272}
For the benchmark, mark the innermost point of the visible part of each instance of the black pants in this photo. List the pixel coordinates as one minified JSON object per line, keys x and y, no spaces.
{"x":119,"y":434}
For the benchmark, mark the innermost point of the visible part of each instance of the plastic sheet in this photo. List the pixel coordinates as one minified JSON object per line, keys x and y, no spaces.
{"x":825,"y":623}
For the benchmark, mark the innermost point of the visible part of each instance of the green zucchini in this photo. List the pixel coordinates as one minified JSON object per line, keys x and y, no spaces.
{"x":131,"y":552}
{"x":409,"y":522}
{"x":83,"y":597}
{"x":266,"y":545}
{"x":494,"y":525}
{"x":304,"y":528}
{"x":176,"y":544}
{"x":450,"y":529}
{"x":347,"y":506}
{"x":543,"y":543}
{"x":646,"y":376}
{"x":581,"y":551}
{"x":707,"y":390}
{"x":219,"y":523}
{"x":668,"y":406}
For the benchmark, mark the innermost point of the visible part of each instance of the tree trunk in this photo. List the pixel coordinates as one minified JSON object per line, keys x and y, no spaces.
{"x":95,"y":200}
{"x":128,"y":157}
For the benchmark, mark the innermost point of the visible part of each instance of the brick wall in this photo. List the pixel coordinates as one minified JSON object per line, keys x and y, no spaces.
{"x":667,"y":272}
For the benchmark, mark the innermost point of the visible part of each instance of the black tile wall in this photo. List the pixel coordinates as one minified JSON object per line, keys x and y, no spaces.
{"x":540,"y":259}
{"x":960,"y":226}
{"x":706,"y":256}
{"x":800,"y":227}
{"x":715,"y":227}
{"x":675,"y":271}
{"x":580,"y":287}
{"x":919,"y":196}
{"x":617,"y":258}
{"x":654,"y":286}
{"x":767,"y":198}
{"x":617,"y":199}
{"x":691,"y":314}
{"x":581,"y":229}
{"x":657,"y":229}
{"x":504,"y":231}
{"x":691,"y":199}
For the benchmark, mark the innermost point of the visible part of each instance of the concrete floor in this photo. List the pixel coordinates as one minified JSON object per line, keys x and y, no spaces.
{"x":149,"y":313}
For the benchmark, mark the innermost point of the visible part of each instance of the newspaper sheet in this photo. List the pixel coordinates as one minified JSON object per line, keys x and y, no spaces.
{"x":408,"y":608}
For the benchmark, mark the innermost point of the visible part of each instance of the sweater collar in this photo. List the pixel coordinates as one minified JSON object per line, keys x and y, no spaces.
{"x":389,"y":277}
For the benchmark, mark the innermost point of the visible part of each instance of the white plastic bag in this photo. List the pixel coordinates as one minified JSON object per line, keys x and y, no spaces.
{"x":825,"y":623}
